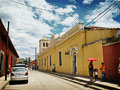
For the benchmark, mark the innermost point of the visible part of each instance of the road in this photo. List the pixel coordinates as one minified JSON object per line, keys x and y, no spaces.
{"x":42,"y":81}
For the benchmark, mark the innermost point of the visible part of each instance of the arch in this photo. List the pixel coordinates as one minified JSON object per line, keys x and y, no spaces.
{"x":73,"y":50}
{"x":73,"y":53}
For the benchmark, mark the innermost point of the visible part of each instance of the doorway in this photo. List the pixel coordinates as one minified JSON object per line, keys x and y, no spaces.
{"x":1,"y":64}
{"x":47,"y":62}
{"x":74,"y":64}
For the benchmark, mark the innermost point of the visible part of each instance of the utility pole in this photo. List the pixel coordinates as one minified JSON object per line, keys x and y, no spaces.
{"x":35,"y":58}
{"x":35,"y":53}
{"x":6,"y":69}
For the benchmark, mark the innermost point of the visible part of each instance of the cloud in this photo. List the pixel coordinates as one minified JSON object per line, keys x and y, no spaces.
{"x":49,"y":16}
{"x":87,"y":1}
{"x":68,"y":20}
{"x":25,"y":31}
{"x":73,"y":1}
{"x":108,"y":19}
{"x":67,"y":9}
{"x":28,"y":24}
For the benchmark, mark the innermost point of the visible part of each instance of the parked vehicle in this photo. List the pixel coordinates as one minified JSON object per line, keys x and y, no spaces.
{"x":19,"y":65}
{"x":19,"y":74}
{"x":26,"y":66}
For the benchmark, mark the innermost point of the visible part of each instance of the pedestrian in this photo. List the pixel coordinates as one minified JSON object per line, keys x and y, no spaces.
{"x":32,"y":68}
{"x":53,"y":68}
{"x":103,"y":69}
{"x":90,"y":66}
{"x":8,"y":71}
{"x":96,"y":74}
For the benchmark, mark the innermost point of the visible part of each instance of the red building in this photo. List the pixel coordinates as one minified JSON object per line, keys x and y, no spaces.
{"x":33,"y":64}
{"x":111,"y":53}
{"x":12,"y":53}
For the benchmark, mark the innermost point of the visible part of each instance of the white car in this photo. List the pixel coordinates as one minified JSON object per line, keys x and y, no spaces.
{"x":19,"y":74}
{"x":19,"y":65}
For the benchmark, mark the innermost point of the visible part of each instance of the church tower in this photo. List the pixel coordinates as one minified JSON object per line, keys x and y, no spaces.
{"x":43,"y":44}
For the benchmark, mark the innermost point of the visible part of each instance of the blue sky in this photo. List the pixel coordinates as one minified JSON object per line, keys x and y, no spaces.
{"x":29,"y":24}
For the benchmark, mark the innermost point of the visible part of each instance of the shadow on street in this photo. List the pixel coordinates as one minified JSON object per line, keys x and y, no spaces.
{"x":17,"y":82}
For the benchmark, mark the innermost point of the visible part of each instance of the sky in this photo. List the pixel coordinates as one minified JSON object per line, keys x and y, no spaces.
{"x":31,"y":20}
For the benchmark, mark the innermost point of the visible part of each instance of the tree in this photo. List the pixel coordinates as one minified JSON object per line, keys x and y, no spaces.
{"x":25,"y":61}
{"x":29,"y":60}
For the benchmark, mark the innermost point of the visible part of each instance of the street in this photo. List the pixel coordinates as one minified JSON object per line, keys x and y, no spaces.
{"x":42,"y":81}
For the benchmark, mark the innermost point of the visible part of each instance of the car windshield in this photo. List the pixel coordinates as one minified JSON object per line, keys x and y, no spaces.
{"x":19,"y":69}
{"x":20,"y":65}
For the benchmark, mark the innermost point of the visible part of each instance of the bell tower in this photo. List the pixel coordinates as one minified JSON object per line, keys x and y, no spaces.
{"x":43,"y":44}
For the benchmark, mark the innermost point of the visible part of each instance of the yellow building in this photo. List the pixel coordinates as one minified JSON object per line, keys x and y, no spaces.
{"x":70,"y":52}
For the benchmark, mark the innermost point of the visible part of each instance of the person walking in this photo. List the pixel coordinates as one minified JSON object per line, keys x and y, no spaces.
{"x":8,"y":72}
{"x":53,"y":68}
{"x":90,"y":66}
{"x":96,"y":74}
{"x":103,"y":69}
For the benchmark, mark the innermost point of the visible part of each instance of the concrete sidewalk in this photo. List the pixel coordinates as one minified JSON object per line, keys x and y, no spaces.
{"x":3,"y":83}
{"x":85,"y":81}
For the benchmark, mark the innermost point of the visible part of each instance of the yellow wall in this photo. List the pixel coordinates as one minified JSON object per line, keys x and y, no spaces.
{"x":76,"y":41}
{"x":91,"y":51}
{"x":94,"y":35}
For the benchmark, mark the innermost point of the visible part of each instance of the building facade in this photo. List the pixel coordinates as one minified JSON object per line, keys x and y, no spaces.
{"x":12,"y":53}
{"x":71,"y":51}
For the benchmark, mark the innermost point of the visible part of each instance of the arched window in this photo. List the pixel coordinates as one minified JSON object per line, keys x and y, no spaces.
{"x":46,"y":44}
{"x":43,"y":44}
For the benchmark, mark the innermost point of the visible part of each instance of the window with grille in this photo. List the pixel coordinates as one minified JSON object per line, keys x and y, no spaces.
{"x":50,"y":61}
{"x":43,"y":44}
{"x":60,"y":59}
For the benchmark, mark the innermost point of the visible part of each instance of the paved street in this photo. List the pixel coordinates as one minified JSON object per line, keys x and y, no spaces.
{"x":43,"y":81}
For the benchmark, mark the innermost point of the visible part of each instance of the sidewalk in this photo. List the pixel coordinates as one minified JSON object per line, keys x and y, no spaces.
{"x":3,"y":83}
{"x":85,"y":81}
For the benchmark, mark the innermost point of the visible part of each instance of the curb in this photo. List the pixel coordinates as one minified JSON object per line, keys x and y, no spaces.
{"x":81,"y":80}
{"x":96,"y":84}
{"x":5,"y":84}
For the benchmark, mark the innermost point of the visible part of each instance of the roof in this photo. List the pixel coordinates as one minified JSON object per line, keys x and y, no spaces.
{"x":3,"y":34}
{"x":99,"y":28}
{"x":44,"y":39}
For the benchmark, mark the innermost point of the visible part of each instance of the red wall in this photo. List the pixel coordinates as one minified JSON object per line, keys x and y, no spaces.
{"x":111,"y":53}
{"x":32,"y":62}
{"x":3,"y":48}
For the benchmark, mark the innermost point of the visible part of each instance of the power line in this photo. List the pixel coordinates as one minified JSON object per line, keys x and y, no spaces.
{"x":30,"y":6}
{"x":101,"y":13}
{"x":92,"y":6}
{"x":116,"y":5}
{"x":84,"y":11}
{"x":76,"y":18}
